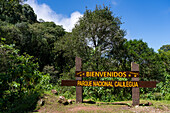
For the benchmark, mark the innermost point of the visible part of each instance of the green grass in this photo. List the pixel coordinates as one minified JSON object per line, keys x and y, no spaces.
{"x":51,"y":105}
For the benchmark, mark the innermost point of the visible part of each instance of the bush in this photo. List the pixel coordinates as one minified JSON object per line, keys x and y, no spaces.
{"x":21,"y":83}
{"x":164,"y":87}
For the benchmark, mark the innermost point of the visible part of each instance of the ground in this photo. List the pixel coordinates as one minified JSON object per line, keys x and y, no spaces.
{"x":52,"y":106}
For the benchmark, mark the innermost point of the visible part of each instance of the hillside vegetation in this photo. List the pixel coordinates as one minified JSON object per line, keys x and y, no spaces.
{"x":36,"y":55}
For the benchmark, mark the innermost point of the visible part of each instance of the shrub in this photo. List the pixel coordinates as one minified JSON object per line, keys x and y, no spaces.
{"x":21,"y":83}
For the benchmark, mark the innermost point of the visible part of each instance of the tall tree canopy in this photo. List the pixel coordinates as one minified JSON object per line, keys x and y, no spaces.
{"x":12,"y":11}
{"x":151,"y":66}
{"x":165,"y":48}
{"x":164,"y":53}
{"x":96,"y":36}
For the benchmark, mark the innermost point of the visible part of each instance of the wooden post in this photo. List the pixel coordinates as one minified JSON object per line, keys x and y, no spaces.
{"x":135,"y":91}
{"x":79,"y":89}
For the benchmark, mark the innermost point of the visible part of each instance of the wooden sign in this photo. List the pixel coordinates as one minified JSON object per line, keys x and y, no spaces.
{"x":134,"y":84}
{"x":145,"y":84}
{"x":79,"y":90}
{"x":124,"y":74}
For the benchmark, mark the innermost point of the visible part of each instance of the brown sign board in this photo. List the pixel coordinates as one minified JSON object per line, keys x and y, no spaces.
{"x":145,"y":84}
{"x":125,"y":74}
{"x":134,"y":84}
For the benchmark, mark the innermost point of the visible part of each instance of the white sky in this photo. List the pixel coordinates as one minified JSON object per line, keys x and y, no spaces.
{"x":44,"y":12}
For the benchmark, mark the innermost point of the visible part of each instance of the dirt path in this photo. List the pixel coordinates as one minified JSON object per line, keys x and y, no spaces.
{"x":85,"y":108}
{"x":52,"y":106}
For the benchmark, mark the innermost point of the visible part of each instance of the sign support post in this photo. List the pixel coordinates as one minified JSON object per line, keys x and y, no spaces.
{"x":134,"y":74}
{"x":79,"y":89}
{"x":135,"y":90}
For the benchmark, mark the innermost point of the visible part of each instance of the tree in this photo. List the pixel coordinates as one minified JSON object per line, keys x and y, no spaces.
{"x":12,"y":11}
{"x":43,"y":37}
{"x":164,"y":53}
{"x":163,"y":86}
{"x":165,"y":48}
{"x":151,"y":66}
{"x":21,"y":83}
{"x":96,"y":36}
{"x":35,"y":39}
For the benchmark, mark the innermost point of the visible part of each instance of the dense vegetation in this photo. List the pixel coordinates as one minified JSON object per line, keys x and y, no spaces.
{"x":35,"y":56}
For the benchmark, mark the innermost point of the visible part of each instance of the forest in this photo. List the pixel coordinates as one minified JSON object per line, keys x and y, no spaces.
{"x":36,"y":55}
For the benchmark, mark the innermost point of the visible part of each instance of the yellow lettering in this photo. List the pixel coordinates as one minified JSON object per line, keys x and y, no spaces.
{"x":86,"y":83}
{"x":115,"y":74}
{"x":78,"y":83}
{"x":124,"y":73}
{"x":124,"y":84}
{"x":97,"y":74}
{"x":110,"y":84}
{"x":130,"y":84}
{"x":120,"y":74}
{"x":127,"y":84}
{"x":99,"y":83}
{"x":88,"y":74}
{"x":109,"y":74}
{"x":101,"y":74}
{"x":115,"y":84}
{"x":120,"y":84}
{"x":107,"y":84}
{"x":102,"y":83}
{"x":136,"y":84}
{"x":104,"y":74}
{"x":94,"y":84}
{"x":112,"y":74}
{"x":93,"y":74}
{"x":83,"y":83}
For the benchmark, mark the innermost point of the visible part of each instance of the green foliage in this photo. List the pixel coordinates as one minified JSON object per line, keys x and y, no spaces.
{"x":35,"y":39}
{"x":51,"y":70}
{"x":98,"y":35}
{"x":12,"y":11}
{"x":20,"y":81}
{"x":165,"y":48}
{"x":97,"y":38}
{"x":68,"y":92}
{"x":10,"y":32}
{"x":151,"y":66}
{"x":161,"y":92}
{"x":41,"y":42}
{"x":164,"y":87}
{"x":65,"y":53}
{"x":164,"y":53}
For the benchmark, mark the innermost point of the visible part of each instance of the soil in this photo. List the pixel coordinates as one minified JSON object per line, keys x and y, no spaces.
{"x":83,"y":108}
{"x":52,"y":106}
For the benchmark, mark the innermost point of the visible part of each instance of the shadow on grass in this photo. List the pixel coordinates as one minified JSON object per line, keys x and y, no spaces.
{"x":146,"y":104}
{"x":121,"y":103}
{"x":89,"y":102}
{"x":114,"y":103}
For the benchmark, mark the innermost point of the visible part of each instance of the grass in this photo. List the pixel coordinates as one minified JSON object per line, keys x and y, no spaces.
{"x":51,"y":105}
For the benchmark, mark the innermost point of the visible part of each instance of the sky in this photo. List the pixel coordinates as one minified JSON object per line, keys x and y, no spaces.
{"x":148,"y":20}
